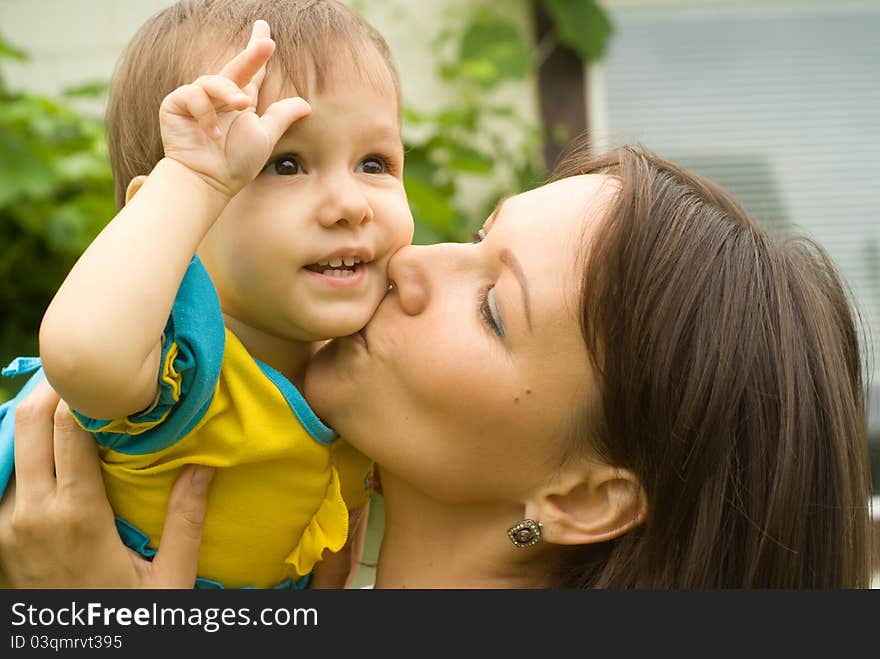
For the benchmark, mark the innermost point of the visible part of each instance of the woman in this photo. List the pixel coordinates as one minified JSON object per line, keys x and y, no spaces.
{"x":623,"y":383}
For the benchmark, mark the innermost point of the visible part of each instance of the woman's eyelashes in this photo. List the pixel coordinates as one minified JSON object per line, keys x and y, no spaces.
{"x":489,"y":311}
{"x":487,"y":305}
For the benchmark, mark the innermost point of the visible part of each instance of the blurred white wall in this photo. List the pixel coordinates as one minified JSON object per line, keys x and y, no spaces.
{"x":71,"y":42}
{"x":68,"y":43}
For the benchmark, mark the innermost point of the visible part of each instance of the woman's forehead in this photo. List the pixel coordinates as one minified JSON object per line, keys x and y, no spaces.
{"x":573,"y":189}
{"x":573,"y":202}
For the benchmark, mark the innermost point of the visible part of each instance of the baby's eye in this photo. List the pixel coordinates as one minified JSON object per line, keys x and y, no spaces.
{"x":372,"y":165}
{"x":284,"y":166}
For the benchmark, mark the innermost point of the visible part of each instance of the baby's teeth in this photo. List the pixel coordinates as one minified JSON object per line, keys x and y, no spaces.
{"x":335,"y":272}
{"x":323,"y":263}
{"x":335,"y":262}
{"x":348,"y":260}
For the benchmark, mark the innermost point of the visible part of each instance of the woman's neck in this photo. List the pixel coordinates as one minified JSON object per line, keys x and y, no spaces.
{"x":431,"y":544}
{"x":285,"y":356}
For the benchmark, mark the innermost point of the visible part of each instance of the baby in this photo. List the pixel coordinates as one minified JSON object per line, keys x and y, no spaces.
{"x":252,"y":225}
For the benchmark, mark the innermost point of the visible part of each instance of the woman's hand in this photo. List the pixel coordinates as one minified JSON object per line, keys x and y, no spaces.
{"x":56,"y":526}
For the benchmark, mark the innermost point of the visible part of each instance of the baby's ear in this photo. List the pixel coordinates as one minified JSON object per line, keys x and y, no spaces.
{"x":133,"y":186}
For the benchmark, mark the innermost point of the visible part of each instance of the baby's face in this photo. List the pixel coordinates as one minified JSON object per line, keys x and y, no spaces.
{"x":301,"y":253}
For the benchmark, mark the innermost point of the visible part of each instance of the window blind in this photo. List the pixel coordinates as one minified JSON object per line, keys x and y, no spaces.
{"x":780,"y":104}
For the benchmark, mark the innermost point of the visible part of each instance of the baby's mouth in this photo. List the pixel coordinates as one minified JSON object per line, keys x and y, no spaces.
{"x":338,"y":267}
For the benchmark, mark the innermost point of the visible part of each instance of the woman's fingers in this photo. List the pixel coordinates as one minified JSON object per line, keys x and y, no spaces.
{"x":77,"y":467}
{"x":174,"y":565}
{"x":34,"y":455}
{"x":7,"y":507}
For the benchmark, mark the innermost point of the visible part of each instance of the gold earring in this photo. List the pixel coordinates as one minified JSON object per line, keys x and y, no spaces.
{"x":526,"y":533}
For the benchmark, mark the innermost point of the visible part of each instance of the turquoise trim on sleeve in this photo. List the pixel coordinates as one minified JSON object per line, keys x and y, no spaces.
{"x":320,"y":432}
{"x":134,"y":538}
{"x":19,"y":366}
{"x":196,"y":326}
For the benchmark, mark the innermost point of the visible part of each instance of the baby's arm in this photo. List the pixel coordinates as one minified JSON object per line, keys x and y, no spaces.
{"x":100,"y":337}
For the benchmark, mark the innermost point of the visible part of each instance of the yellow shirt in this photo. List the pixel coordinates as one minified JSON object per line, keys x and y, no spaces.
{"x":285,"y":481}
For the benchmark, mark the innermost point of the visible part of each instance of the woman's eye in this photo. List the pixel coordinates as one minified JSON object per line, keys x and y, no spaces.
{"x":285,"y":166}
{"x":478,"y":235}
{"x":372,"y":165}
{"x":489,"y":311}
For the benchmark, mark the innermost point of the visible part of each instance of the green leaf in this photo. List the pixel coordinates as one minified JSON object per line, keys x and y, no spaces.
{"x":458,"y":117}
{"x":493,"y":50}
{"x":88,"y":90}
{"x":418,"y":164}
{"x":411,"y":116}
{"x":427,"y":235}
{"x":25,"y":171}
{"x":430,"y":206}
{"x":75,"y":224}
{"x":80,"y":166}
{"x":467,"y":159}
{"x":8,"y":51}
{"x":582,"y":25}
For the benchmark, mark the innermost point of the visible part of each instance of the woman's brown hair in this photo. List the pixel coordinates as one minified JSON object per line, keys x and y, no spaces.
{"x":732,"y":386}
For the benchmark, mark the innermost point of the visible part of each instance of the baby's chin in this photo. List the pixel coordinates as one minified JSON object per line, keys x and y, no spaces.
{"x":328,"y":321}
{"x":340,"y":321}
{"x":336,"y":328}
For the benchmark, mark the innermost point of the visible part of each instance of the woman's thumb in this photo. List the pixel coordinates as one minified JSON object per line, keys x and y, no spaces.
{"x":178,"y":556}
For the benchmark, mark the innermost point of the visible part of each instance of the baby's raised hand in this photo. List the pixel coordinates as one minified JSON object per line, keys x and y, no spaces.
{"x":211,"y":125}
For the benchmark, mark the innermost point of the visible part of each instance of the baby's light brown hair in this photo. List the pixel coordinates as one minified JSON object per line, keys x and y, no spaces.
{"x":195,"y":37}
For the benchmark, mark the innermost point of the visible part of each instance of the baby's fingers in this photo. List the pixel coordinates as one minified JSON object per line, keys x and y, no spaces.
{"x":224,"y":93}
{"x":193,"y":100}
{"x":242,"y":68}
{"x":278,"y":116}
{"x":205,"y":97}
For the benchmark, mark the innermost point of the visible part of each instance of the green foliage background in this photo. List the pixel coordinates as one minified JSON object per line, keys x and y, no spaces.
{"x":56,"y":189}
{"x":56,"y":192}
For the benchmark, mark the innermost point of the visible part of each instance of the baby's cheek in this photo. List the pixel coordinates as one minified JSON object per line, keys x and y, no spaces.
{"x":366,"y":305}
{"x":403,"y":226}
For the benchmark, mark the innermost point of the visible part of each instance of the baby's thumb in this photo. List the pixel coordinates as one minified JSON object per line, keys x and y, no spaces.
{"x":281,"y":114}
{"x":178,"y":556}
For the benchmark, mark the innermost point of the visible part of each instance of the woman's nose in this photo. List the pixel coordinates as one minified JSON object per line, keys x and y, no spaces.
{"x":410,"y":275}
{"x":344,"y":203}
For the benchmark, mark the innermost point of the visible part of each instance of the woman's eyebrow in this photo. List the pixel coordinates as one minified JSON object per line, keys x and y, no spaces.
{"x":495,"y":212}
{"x":508,"y":259}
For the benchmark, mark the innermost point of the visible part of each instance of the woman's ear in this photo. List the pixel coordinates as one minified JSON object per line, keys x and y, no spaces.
{"x":589,"y":503}
{"x":133,"y":186}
